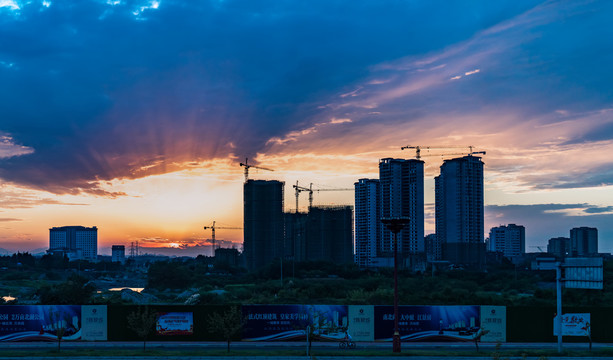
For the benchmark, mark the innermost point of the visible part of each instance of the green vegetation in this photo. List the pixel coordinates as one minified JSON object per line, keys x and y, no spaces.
{"x":55,"y":280}
{"x":142,"y":322}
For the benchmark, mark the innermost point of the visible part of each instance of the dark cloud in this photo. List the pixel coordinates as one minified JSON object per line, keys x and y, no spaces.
{"x":101,"y":91}
{"x":599,"y":209}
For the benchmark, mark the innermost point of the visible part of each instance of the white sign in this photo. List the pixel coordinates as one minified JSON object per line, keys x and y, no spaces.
{"x":362,"y":322}
{"x":93,"y":318}
{"x":573,"y":325}
{"x":494,"y":320}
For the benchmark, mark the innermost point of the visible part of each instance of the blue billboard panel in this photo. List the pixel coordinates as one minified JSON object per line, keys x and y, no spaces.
{"x":39,"y":322}
{"x":428,"y":323}
{"x":290,"y":322}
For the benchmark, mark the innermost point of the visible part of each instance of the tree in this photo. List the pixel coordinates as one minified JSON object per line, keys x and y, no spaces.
{"x":229,"y":323}
{"x":478,"y":335}
{"x":142,"y":322}
{"x":75,"y":291}
{"x":59,"y":321}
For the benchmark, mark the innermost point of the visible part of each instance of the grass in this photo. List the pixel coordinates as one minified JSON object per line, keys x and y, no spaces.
{"x":498,"y":354}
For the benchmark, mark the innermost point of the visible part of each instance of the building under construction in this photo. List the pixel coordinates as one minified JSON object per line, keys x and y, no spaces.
{"x":325,"y":233}
{"x":263,"y":222}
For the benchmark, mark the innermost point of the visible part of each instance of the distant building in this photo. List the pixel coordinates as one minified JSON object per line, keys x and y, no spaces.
{"x":367,"y":221}
{"x":459,"y":211}
{"x":559,"y":247}
{"x":509,"y":240}
{"x":329,"y":232}
{"x":118,"y":254}
{"x":77,"y":242}
{"x":434,"y":248}
{"x":263,"y":222}
{"x":584,"y":241}
{"x":226,"y":256}
{"x":295,"y":236}
{"x":402,"y":194}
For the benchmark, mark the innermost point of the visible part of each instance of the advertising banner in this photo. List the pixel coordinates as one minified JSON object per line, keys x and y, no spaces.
{"x":290,"y":322}
{"x":428,"y":323}
{"x":39,"y":322}
{"x":494,"y":320}
{"x":175,"y":323}
{"x":94,"y":322}
{"x":573,"y":325}
{"x":362,"y":322}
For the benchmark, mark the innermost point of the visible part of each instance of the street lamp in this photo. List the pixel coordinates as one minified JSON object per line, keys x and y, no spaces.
{"x":395,"y":225}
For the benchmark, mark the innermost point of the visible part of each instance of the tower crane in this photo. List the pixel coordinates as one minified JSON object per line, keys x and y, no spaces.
{"x":247,"y":166}
{"x":213,"y":227}
{"x":310,"y":189}
{"x":451,"y":154}
{"x":418,"y":150}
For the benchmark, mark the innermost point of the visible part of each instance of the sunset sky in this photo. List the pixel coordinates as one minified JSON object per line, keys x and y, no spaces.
{"x":133,"y":116}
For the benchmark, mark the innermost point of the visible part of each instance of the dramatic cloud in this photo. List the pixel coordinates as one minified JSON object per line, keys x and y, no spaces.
{"x":103,"y":89}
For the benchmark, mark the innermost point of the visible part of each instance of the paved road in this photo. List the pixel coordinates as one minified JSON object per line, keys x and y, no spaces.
{"x":292,"y":345}
{"x":487,"y":349}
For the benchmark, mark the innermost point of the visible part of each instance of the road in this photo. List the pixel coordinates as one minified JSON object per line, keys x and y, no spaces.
{"x":486,"y":348}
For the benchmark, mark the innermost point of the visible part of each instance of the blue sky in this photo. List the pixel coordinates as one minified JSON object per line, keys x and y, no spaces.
{"x":101,"y":99}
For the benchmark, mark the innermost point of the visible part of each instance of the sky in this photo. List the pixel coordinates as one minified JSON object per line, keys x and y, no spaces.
{"x":133,"y":116}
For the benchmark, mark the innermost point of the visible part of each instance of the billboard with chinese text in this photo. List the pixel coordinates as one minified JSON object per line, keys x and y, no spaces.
{"x":428,"y":323}
{"x":39,"y":322}
{"x":175,"y":323}
{"x":290,"y":322}
{"x":573,"y":325}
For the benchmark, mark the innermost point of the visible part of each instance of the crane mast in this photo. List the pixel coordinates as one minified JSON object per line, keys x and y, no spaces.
{"x":213,"y":227}
{"x":247,"y":166}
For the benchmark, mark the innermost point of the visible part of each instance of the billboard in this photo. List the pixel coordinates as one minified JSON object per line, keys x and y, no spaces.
{"x":290,"y":322}
{"x":94,"y":323}
{"x":39,"y":322}
{"x":362,"y":322}
{"x":428,"y":323}
{"x":175,"y":323}
{"x":494,"y":320}
{"x":573,"y":325}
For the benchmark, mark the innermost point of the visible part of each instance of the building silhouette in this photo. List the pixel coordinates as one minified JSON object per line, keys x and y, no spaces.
{"x":263,"y":222}
{"x":584,"y":241}
{"x":434,"y":248}
{"x":367,"y":221}
{"x":76,"y":242}
{"x":510,"y":240}
{"x":295,"y":236}
{"x":559,"y":247}
{"x":402,"y":194}
{"x":329,"y":234}
{"x":459,"y":211}
{"x":118,"y":254}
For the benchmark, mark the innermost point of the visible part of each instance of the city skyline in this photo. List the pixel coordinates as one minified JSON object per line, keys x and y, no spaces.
{"x":133,"y":116}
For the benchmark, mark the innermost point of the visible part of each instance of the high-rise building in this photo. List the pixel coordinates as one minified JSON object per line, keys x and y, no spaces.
{"x":459,"y":211}
{"x":77,"y":242}
{"x":329,"y":232}
{"x":263,"y":222}
{"x":402,"y":194}
{"x":118,"y":253}
{"x":295,"y":235}
{"x":583,"y":241}
{"x":509,"y":240}
{"x":559,"y":246}
{"x":434,"y":249}
{"x":367,"y":221}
